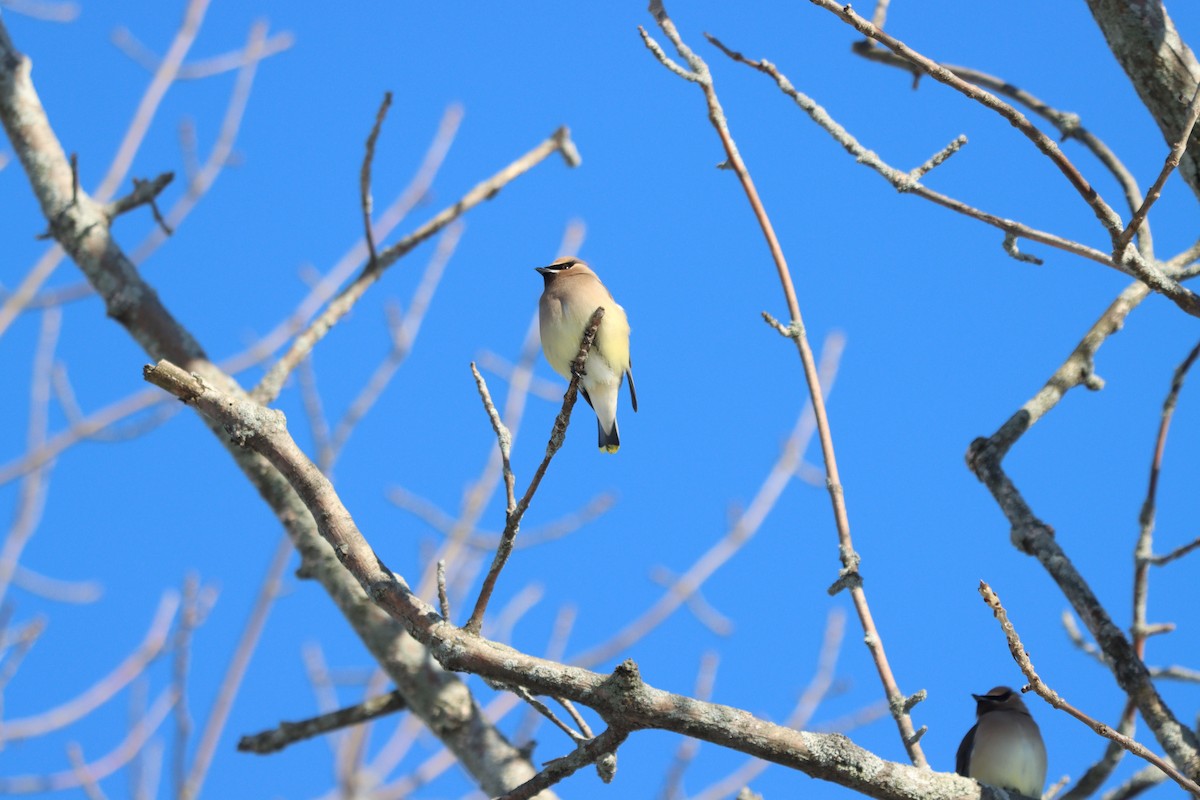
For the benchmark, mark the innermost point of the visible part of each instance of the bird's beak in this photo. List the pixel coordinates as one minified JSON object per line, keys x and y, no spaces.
{"x":979,"y":698}
{"x":543,"y":270}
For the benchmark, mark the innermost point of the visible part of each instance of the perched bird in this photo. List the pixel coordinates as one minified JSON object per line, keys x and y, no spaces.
{"x":572,"y":294}
{"x":1005,"y":748}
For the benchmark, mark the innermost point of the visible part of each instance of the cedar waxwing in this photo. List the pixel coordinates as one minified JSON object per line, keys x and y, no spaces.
{"x":572,"y":295}
{"x":1005,"y":748}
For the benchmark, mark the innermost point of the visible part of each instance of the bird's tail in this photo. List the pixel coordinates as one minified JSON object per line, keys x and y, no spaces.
{"x":610,"y":442}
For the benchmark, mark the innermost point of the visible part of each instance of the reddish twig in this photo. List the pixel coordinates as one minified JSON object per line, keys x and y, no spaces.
{"x":698,"y":73}
{"x":742,"y":529}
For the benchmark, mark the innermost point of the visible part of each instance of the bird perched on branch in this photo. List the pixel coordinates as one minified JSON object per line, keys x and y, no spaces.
{"x":572,"y":294}
{"x":1005,"y":748}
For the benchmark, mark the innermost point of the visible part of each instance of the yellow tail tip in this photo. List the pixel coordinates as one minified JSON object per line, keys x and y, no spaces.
{"x":609,"y":448}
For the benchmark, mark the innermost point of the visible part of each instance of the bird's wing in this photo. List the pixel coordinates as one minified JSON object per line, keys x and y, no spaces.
{"x":962,"y":759}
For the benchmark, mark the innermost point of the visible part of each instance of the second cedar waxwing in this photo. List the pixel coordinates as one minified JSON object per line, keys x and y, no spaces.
{"x":572,"y":294}
{"x":1005,"y":748}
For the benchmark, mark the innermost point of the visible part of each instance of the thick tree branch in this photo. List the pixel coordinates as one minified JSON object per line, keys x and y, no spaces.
{"x":1036,"y":538}
{"x":622,"y":698}
{"x":438,"y":698}
{"x":1161,"y":66}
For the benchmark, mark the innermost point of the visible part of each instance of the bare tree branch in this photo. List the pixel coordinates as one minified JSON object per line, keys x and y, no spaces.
{"x":101,"y":691}
{"x":288,"y":733}
{"x":622,"y":698}
{"x":436,"y":696}
{"x":102,"y":767}
{"x":698,"y":73}
{"x":558,"y":142}
{"x":1052,"y":697}
{"x":1160,"y":65}
{"x":558,"y":433}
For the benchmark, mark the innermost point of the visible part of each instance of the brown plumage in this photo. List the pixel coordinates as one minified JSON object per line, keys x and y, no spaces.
{"x":572,"y":294}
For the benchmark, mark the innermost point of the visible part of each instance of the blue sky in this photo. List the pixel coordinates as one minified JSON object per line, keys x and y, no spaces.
{"x":946,"y":336}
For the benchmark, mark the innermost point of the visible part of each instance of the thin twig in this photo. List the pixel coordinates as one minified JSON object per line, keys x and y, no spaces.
{"x":404,"y":329}
{"x":31,"y":498}
{"x":740,"y":530}
{"x":247,"y":643}
{"x":1173,"y":158}
{"x":271,"y":384}
{"x":45,"y":10}
{"x":700,"y":75}
{"x":545,"y":711}
{"x":908,"y":182}
{"x":189,"y":620}
{"x":87,"y":781}
{"x":503,"y":440}
{"x":365,"y":178}
{"x":557,"y":435}
{"x":104,"y":689}
{"x":144,"y":193}
{"x":314,"y":411}
{"x":589,"y":752}
{"x":102,"y":767}
{"x":1067,"y":123}
{"x":1095,"y":775}
{"x":1144,"y":549}
{"x":819,"y":687}
{"x":288,"y":733}
{"x":1050,"y":696}
{"x":124,"y":40}
{"x":1141,"y":781}
{"x":443,"y":598}
{"x":15,"y":645}
{"x":1178,"y":552}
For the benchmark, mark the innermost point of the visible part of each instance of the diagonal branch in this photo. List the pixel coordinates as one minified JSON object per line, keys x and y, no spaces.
{"x":1173,"y":158}
{"x":1067,"y":123}
{"x":365,"y":179}
{"x":437,"y":697}
{"x":622,"y":698}
{"x":1052,"y":697}
{"x":558,"y":434}
{"x":1127,"y":259}
{"x":908,"y":182}
{"x":288,"y":733}
{"x":938,"y":72}
{"x":271,"y":384}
